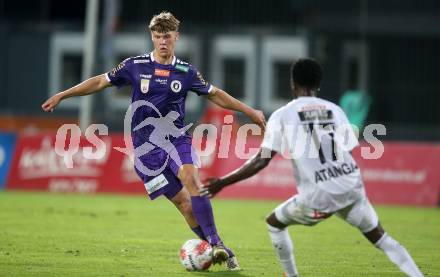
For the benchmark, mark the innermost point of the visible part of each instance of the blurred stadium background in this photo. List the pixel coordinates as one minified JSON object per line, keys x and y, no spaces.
{"x":389,"y":49}
{"x":381,"y":63}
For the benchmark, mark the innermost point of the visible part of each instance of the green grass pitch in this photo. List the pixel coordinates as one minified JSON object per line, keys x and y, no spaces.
{"x":107,"y":235}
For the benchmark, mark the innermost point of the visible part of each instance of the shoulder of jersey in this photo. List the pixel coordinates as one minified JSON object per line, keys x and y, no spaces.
{"x":183,"y":66}
{"x":317,"y":99}
{"x":286,"y":109}
{"x":141,"y":59}
{"x":327,"y":102}
{"x":330,"y":104}
{"x":291,"y":104}
{"x":278,"y":113}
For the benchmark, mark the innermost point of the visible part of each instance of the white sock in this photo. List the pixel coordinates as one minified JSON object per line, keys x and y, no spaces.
{"x":398,"y":255}
{"x":284,"y":248}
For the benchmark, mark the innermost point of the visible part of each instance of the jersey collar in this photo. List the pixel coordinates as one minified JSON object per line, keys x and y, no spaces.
{"x":173,"y":62}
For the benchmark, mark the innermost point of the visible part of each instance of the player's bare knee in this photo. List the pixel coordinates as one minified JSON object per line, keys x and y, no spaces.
{"x":189,"y":180}
{"x":376,"y":234}
{"x":272,"y":220}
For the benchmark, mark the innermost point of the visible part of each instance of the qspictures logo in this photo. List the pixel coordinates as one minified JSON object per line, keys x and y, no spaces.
{"x":157,"y":133}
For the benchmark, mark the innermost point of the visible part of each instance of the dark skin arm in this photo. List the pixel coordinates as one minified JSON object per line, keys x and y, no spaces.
{"x":248,"y":169}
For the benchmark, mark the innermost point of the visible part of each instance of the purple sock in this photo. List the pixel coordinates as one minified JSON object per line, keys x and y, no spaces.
{"x":199,"y":232}
{"x":202,"y":210}
{"x":230,"y":253}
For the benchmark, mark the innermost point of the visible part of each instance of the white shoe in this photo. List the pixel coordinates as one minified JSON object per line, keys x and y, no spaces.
{"x":219,"y":254}
{"x":232,"y":264}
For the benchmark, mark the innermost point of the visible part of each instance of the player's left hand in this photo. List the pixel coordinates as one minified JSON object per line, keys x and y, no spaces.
{"x":212,"y":187}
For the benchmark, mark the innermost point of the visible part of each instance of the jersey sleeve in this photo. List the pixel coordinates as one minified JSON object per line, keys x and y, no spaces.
{"x":273,"y":136}
{"x":349,"y":138}
{"x":198,"y":84}
{"x":120,"y":75}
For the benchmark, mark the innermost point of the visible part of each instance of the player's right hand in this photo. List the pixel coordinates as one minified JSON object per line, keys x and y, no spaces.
{"x":51,"y":103}
{"x":212,"y":187}
{"x":258,"y":118}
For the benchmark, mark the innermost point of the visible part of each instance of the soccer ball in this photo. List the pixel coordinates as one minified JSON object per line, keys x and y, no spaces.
{"x":196,"y":254}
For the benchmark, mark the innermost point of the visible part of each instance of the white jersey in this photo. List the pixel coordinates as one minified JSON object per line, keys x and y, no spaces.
{"x":318,"y":137}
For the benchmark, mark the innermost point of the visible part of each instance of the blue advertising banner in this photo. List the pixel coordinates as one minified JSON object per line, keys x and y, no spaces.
{"x":7,"y":146}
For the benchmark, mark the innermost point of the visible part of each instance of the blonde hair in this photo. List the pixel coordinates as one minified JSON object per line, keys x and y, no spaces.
{"x":164,"y":22}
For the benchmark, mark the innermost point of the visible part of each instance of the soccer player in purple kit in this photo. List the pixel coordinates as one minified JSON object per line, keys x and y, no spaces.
{"x":164,"y":81}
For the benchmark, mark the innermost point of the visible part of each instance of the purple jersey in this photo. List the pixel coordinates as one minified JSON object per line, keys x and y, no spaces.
{"x":165,"y":87}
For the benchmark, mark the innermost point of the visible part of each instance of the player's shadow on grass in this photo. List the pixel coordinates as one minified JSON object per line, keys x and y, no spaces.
{"x":219,"y":273}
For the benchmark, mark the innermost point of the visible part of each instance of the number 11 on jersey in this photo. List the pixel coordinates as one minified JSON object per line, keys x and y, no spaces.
{"x":318,"y":131}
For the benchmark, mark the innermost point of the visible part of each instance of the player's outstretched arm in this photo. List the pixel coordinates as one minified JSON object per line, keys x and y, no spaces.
{"x":87,"y":87}
{"x":248,"y":169}
{"x":224,"y":100}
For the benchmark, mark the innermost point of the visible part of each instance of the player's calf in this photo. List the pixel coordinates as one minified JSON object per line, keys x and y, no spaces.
{"x":395,"y":252}
{"x":282,"y":244}
{"x":398,"y":255}
{"x":201,"y":206}
{"x":182,"y":201}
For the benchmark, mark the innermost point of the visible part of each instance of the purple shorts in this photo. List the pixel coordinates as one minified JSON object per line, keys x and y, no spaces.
{"x":166,"y":181}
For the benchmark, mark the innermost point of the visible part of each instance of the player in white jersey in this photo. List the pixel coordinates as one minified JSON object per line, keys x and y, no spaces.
{"x":317,"y":135}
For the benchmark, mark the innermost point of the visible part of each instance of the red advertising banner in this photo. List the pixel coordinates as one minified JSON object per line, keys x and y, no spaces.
{"x":36,"y":166}
{"x":407,"y":173}
{"x":276,"y":181}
